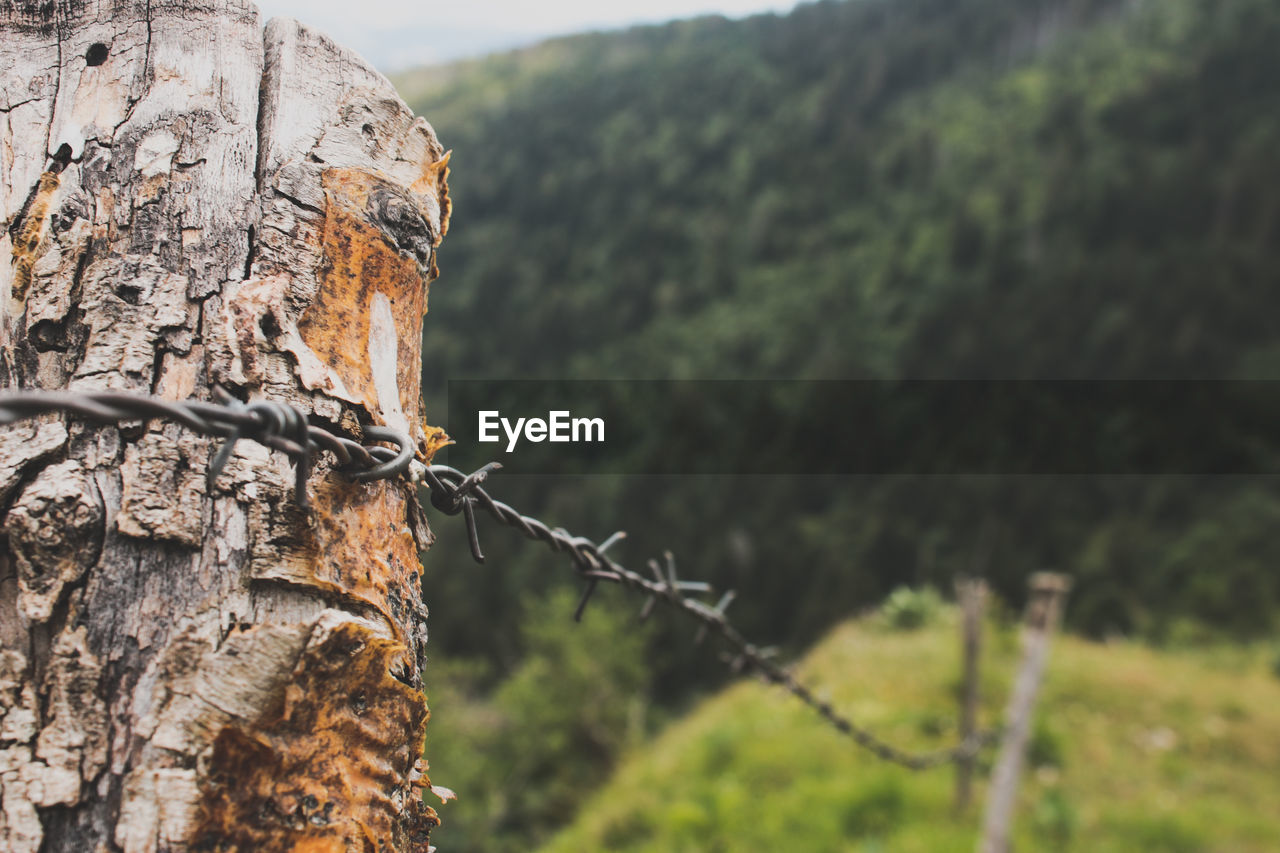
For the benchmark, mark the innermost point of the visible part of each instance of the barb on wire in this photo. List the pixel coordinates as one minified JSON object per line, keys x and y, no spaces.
{"x":276,"y":425}
{"x":453,"y":492}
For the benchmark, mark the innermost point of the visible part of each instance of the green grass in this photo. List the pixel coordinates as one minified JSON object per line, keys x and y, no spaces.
{"x":1134,"y":749}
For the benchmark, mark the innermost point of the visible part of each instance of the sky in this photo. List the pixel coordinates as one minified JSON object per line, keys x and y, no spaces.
{"x":398,"y":34}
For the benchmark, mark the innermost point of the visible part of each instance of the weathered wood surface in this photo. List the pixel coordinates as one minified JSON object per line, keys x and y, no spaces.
{"x":189,"y":201}
{"x":971,"y":594}
{"x":1044,"y":612}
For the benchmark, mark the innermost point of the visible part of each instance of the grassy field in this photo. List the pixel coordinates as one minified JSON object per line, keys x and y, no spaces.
{"x":1133,"y":749}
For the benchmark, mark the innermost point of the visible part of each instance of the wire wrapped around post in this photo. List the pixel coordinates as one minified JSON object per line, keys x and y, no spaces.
{"x":272,"y":424}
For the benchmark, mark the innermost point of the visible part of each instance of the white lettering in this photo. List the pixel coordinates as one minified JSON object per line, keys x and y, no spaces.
{"x":587,"y":425}
{"x":513,"y":435}
{"x":559,"y":425}
{"x":488,"y":421}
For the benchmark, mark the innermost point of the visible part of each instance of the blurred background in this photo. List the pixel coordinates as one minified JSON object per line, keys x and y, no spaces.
{"x":880,"y":189}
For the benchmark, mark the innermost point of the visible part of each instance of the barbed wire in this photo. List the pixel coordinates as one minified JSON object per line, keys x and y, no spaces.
{"x":453,"y":492}
{"x":271,"y":424}
{"x":282,"y":427}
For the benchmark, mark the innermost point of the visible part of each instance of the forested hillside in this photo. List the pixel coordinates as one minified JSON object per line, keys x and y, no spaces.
{"x":897,"y":188}
{"x":883,"y":189}
{"x":890,"y":188}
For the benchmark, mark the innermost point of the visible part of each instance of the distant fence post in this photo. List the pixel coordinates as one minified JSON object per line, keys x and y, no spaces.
{"x":971,"y":594}
{"x":1044,"y":608}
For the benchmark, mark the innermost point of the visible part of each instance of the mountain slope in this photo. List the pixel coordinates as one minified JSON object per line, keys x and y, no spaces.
{"x":877,"y":188}
{"x":881,"y":188}
{"x":915,"y":187}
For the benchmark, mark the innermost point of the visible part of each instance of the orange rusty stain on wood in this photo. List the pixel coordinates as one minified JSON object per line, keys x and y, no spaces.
{"x":319,"y":845}
{"x":361,"y":546}
{"x":361,"y":259}
{"x":31,"y":233}
{"x":329,"y":767}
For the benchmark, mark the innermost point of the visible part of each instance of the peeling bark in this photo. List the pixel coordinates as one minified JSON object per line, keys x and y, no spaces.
{"x":55,"y":534}
{"x":192,"y":201}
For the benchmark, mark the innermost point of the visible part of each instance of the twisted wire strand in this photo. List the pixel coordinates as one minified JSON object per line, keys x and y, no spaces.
{"x":453,"y":492}
{"x":275,"y":425}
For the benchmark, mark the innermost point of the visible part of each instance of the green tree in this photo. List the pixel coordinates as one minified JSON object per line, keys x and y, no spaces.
{"x":522,"y":755}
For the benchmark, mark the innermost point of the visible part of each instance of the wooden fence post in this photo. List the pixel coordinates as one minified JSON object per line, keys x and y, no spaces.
{"x":189,"y":202}
{"x":1044,"y":609}
{"x":971,"y":594}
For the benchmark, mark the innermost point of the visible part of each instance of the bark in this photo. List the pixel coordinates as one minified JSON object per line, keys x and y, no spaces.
{"x":190,"y":201}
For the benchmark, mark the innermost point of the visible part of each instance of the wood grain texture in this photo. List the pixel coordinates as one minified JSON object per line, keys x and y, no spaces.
{"x":192,"y":200}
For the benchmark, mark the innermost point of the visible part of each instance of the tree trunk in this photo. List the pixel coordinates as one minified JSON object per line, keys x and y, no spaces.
{"x":187,"y":204}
